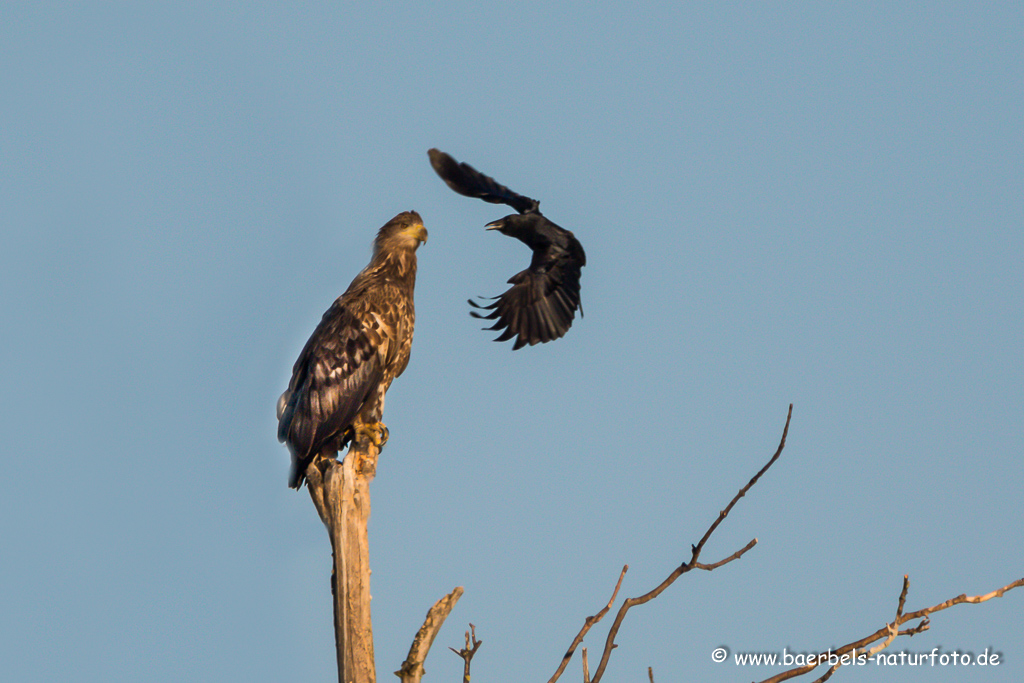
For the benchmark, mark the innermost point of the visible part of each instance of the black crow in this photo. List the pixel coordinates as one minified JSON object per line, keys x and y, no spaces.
{"x":542,"y":302}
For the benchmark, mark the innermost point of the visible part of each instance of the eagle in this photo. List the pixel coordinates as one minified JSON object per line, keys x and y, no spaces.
{"x":542,"y":302}
{"x":361,"y":345}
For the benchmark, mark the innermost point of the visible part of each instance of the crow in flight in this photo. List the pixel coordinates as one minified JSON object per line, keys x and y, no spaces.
{"x":542,"y":302}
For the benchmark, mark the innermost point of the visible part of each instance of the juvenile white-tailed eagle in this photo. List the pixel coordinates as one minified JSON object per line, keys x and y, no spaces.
{"x":360,"y":346}
{"x":542,"y":302}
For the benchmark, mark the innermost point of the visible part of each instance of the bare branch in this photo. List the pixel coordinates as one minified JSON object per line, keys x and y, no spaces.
{"x":586,"y":666}
{"x":650,"y":674}
{"x":412,"y":669}
{"x":890,"y":631}
{"x":974,"y":600}
{"x":692,"y":564}
{"x":735,"y":556}
{"x":467,"y":652}
{"x":920,"y":628}
{"x":590,"y":621}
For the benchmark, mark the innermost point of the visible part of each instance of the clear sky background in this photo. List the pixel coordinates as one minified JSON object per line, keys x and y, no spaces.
{"x":806,"y":203}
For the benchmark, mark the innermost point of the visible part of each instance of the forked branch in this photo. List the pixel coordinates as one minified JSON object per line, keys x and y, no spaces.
{"x":590,"y":621}
{"x":472,"y":645}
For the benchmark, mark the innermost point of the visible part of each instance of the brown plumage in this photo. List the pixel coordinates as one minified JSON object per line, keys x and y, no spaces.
{"x":360,"y":346}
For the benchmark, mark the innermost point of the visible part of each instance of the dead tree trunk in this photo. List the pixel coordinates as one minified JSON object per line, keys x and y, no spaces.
{"x":341,"y":494}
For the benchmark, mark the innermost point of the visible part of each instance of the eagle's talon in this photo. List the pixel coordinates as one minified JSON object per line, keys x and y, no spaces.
{"x":374,"y":432}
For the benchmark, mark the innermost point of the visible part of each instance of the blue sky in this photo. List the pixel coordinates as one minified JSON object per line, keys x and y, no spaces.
{"x":806,"y":203}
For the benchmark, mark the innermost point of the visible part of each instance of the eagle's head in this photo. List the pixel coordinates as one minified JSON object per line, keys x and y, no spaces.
{"x":404,"y":232}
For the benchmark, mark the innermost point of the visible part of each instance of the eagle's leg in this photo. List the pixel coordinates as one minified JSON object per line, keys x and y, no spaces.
{"x":375,"y":432}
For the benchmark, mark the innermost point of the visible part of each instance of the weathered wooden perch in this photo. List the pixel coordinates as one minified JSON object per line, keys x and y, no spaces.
{"x":341,"y":495}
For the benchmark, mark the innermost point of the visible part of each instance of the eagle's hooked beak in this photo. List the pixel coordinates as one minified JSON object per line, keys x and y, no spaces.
{"x":418,"y":232}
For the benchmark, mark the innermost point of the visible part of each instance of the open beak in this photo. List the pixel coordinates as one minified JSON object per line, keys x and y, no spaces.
{"x":496,"y":225}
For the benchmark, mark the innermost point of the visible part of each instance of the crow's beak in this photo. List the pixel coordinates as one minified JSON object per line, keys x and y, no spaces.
{"x":496,"y":225}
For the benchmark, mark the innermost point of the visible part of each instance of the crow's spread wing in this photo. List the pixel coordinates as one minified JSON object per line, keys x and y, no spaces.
{"x":540,"y":305}
{"x":470,"y":182}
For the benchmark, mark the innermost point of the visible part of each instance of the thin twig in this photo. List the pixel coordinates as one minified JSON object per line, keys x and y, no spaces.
{"x":903,"y":596}
{"x":920,"y":628}
{"x":586,"y":666}
{"x":609,"y":644}
{"x":735,"y":556}
{"x":590,"y":621}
